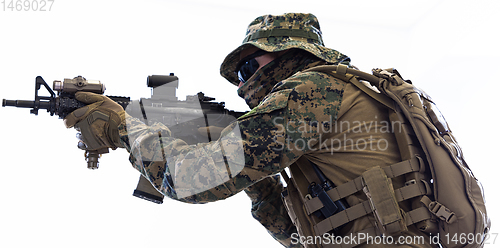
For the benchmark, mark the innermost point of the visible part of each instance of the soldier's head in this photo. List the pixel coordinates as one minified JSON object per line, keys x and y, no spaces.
{"x":269,"y":36}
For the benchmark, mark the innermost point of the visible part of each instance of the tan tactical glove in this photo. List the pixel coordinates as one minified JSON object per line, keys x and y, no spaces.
{"x":98,"y":121}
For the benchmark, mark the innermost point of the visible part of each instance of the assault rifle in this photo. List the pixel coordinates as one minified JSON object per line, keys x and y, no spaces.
{"x":185,"y":119}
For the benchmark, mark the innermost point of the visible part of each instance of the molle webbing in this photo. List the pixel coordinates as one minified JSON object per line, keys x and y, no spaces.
{"x":356,"y":185}
{"x":409,"y":191}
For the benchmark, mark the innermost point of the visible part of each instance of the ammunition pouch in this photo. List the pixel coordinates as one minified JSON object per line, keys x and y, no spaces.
{"x":380,"y":193}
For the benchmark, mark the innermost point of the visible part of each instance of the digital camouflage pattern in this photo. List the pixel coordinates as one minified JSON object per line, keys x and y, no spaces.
{"x":267,"y":208}
{"x":274,"y":33}
{"x":289,"y":107}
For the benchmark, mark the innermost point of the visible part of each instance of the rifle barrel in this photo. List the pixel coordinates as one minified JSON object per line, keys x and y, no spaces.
{"x":18,"y":103}
{"x":35,"y":106}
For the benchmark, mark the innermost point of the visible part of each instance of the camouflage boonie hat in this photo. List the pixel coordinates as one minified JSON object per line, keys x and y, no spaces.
{"x":278,"y":33}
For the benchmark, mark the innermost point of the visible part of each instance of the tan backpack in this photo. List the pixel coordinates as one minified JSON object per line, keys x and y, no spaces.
{"x":447,"y":200}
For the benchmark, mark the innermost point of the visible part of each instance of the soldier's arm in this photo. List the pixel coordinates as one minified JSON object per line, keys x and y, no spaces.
{"x":253,"y":148}
{"x":268,"y":209}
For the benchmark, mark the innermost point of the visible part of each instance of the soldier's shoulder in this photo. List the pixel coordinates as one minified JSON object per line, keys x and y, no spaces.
{"x":305,"y":81}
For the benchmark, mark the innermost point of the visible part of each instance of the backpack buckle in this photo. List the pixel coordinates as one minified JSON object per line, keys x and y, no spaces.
{"x":442,"y":212}
{"x":390,"y":74}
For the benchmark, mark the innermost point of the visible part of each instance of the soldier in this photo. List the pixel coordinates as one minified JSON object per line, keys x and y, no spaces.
{"x":310,"y":122}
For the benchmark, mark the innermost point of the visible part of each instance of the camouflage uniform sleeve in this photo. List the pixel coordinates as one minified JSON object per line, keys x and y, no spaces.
{"x":249,"y":150}
{"x":268,"y":209}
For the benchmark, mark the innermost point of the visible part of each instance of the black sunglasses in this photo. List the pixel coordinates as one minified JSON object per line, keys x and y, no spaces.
{"x":248,"y":66}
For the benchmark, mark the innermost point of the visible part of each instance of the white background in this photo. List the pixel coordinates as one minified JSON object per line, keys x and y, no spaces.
{"x":48,"y":198}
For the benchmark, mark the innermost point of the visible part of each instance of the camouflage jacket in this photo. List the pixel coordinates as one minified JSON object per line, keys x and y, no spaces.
{"x":290,"y":111}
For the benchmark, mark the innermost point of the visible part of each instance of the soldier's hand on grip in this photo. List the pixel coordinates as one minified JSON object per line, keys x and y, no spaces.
{"x":98,"y":121}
